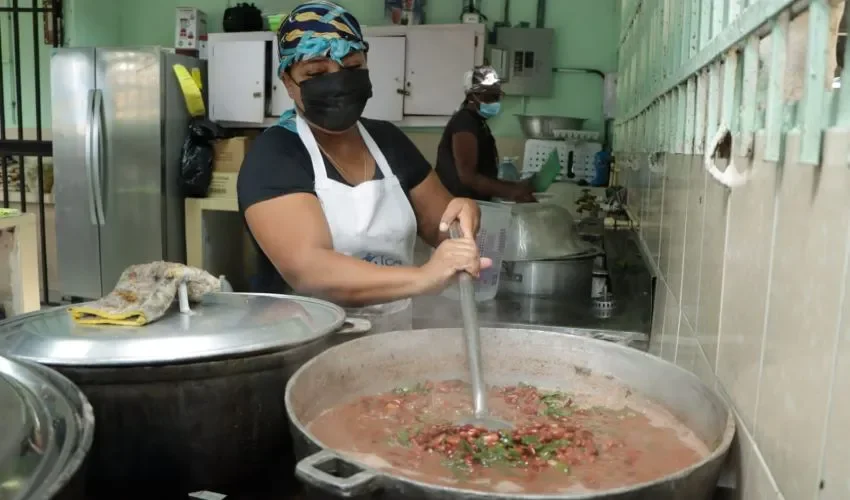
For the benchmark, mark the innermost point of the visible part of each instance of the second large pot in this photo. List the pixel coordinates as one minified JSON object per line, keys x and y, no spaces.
{"x":381,"y":362}
{"x":191,"y":402}
{"x":569,"y":278}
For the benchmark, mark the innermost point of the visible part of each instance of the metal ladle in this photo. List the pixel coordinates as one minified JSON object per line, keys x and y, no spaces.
{"x":469,"y":310}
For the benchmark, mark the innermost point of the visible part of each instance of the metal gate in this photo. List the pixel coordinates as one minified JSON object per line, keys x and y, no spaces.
{"x":28,"y":30}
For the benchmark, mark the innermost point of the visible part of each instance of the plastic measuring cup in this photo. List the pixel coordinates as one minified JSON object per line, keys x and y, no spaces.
{"x":492,"y":240}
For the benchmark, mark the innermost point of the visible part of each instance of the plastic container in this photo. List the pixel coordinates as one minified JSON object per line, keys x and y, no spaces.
{"x":275,"y":21}
{"x":508,"y":170}
{"x":405,"y":12}
{"x":601,"y":169}
{"x":492,"y":240}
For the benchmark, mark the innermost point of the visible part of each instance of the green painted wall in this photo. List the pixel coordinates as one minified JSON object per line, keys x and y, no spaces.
{"x":27,"y":57}
{"x":87,"y":22}
{"x":586,"y":36}
{"x":94,"y":22}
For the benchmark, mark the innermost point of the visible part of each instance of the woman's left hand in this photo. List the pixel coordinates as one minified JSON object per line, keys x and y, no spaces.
{"x":466,"y":212}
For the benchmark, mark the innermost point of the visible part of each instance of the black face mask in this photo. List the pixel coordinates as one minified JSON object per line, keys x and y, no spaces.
{"x":335,"y":101}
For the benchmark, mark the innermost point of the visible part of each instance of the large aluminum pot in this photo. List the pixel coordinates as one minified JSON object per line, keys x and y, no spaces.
{"x":381,"y":362}
{"x":542,"y":231}
{"x":570,"y":278}
{"x":46,"y":430}
{"x":544,"y":127}
{"x":190,"y":402}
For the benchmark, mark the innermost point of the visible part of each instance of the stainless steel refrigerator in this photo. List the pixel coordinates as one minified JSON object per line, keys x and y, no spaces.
{"x":119,"y":121}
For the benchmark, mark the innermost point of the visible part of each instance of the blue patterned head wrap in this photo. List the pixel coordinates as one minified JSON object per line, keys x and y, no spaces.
{"x":317,"y":29}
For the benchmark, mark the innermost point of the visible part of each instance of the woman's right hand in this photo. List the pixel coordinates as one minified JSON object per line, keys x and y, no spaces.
{"x":450,"y":257}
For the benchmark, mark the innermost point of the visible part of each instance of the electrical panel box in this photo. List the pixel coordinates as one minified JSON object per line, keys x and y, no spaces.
{"x":524,"y":59}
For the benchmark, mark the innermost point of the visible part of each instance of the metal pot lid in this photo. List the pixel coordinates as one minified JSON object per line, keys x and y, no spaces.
{"x":48,"y":427}
{"x":542,"y":231}
{"x":222,"y":325}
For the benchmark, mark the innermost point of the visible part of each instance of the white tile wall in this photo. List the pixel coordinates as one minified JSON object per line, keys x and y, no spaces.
{"x":754,"y":295}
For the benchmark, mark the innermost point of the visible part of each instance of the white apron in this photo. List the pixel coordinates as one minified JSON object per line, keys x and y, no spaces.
{"x":372,"y":221}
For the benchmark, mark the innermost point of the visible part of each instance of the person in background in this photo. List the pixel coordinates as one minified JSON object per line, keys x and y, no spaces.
{"x":334,"y":201}
{"x":467,"y":158}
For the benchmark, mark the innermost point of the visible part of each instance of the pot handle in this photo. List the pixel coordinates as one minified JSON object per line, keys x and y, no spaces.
{"x":345,"y":479}
{"x":354,"y":325}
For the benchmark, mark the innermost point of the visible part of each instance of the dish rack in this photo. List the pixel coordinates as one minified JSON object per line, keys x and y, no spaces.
{"x":578,"y":142}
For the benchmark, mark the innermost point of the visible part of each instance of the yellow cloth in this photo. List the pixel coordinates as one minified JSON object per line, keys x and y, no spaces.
{"x":190,"y":85}
{"x":144,"y":293}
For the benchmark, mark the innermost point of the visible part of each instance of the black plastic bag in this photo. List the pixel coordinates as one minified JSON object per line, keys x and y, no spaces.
{"x":197,"y":157}
{"x":242,"y":17}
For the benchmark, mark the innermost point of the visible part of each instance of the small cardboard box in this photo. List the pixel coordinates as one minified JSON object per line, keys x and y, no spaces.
{"x":191,"y":28}
{"x":229,"y":153}
{"x":223,"y":184}
{"x":227,"y":160}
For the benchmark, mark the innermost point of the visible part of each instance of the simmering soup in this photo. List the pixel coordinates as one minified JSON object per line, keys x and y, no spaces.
{"x":559,"y":443}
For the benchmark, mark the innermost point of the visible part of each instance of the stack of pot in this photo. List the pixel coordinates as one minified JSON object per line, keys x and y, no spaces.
{"x":46,"y":430}
{"x":545,"y":256}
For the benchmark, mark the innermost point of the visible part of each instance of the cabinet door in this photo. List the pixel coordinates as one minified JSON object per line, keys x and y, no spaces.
{"x":280,"y":101}
{"x":386,"y":70}
{"x":436,"y":62}
{"x":237,"y":81}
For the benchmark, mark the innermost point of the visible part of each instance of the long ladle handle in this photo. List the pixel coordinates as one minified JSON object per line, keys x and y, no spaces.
{"x":469,"y":311}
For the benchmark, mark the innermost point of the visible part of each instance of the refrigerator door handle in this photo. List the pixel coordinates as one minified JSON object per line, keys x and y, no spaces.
{"x":98,"y":156}
{"x":89,"y":159}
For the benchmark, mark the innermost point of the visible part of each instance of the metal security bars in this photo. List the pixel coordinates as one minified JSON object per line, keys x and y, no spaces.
{"x":671,"y":50}
{"x":28,"y":30}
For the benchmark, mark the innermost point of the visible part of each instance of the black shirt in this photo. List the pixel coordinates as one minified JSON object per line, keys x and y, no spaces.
{"x":278,"y":164}
{"x":467,"y":120}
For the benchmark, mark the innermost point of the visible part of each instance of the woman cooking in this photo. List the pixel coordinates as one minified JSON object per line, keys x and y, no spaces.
{"x":334,"y":201}
{"x":467,"y":159}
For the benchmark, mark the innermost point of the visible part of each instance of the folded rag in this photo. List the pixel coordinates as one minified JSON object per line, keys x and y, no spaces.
{"x":144,"y":293}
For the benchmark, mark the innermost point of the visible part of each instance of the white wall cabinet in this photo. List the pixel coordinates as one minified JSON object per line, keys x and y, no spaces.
{"x":386,"y":70}
{"x":431,"y":68}
{"x":244,"y":89}
{"x":436,"y":62}
{"x":416,"y":71}
{"x":237,"y":80}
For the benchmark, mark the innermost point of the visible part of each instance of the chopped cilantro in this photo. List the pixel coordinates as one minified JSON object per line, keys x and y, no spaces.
{"x":403,"y":438}
{"x":530,"y":440}
{"x":415,"y":389}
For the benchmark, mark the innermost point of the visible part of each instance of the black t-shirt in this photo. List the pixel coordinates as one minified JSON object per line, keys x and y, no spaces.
{"x":467,"y":120}
{"x":278,"y":164}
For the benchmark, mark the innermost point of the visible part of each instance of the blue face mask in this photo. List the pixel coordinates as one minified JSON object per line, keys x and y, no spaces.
{"x":489,"y":109}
